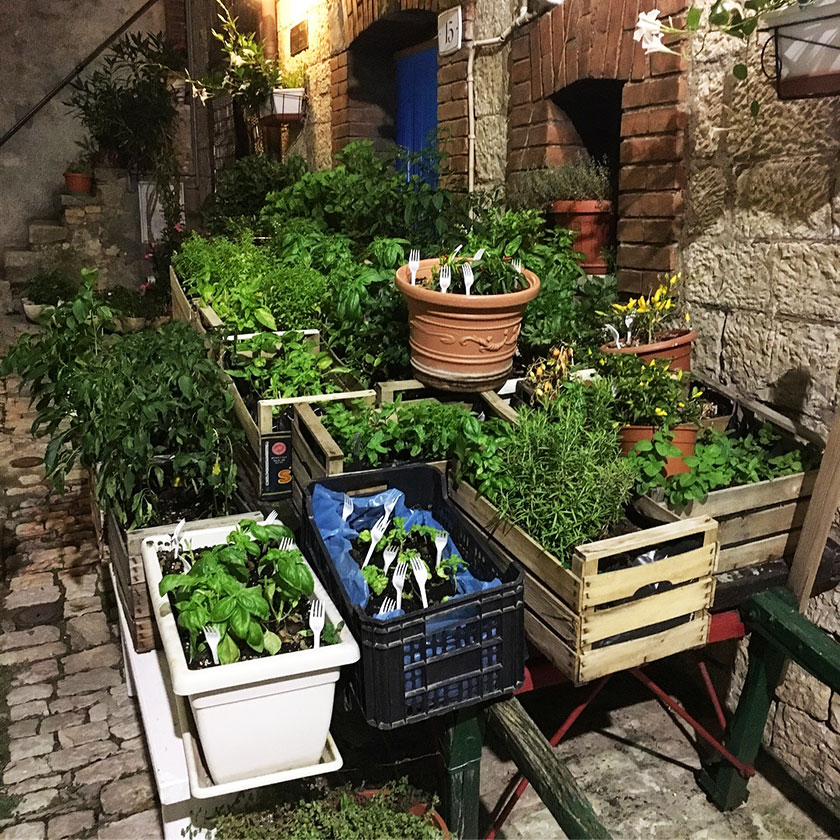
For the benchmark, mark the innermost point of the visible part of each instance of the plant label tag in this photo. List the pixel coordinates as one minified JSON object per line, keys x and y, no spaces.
{"x":276,"y":466}
{"x":450,"y":31}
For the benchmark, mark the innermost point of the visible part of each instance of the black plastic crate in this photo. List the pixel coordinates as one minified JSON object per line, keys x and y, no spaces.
{"x":449,"y":656}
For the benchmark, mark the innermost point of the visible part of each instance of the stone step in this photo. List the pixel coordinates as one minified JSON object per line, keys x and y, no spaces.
{"x":76,"y":200}
{"x":20,"y":266}
{"x":44,"y":232}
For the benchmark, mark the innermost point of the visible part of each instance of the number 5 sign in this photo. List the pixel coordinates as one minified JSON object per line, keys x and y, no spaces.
{"x":449,"y":31}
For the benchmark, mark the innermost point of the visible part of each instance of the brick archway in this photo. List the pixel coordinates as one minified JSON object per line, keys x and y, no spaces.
{"x":580,"y":40}
{"x":358,"y":15}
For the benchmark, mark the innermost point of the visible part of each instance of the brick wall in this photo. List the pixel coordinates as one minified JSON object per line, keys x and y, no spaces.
{"x":175,"y":15}
{"x":593,"y":39}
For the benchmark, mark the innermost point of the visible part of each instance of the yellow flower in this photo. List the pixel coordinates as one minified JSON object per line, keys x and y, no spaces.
{"x":643,"y":305}
{"x":687,"y":318}
{"x":680,"y":405}
{"x":217,"y":469}
{"x":177,"y":481}
{"x":659,"y":412}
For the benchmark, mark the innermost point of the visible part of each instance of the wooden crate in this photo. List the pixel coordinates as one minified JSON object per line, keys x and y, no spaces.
{"x":184,"y":309}
{"x":315,"y":454}
{"x":124,"y":548}
{"x":591,"y":622}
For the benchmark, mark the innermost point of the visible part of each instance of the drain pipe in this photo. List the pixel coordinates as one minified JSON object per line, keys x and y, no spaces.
{"x":522,"y":17}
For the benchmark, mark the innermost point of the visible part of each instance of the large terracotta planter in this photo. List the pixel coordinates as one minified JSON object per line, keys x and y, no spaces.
{"x":673,"y":346}
{"x":593,"y":220}
{"x":459,"y":342}
{"x":685,"y":438}
{"x":78,"y":182}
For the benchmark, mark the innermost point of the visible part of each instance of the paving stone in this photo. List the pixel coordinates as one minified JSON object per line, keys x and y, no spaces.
{"x":36,"y":801}
{"x":115,"y":767}
{"x":98,"y":657}
{"x":75,"y":736}
{"x":82,"y":606}
{"x":23,"y":728}
{"x":143,"y":826}
{"x":26,"y":693}
{"x":32,"y":596}
{"x":27,"y":617}
{"x":69,"y":825}
{"x":128,"y":795}
{"x":88,"y":631}
{"x":29,"y":638}
{"x":33,"y":581}
{"x":113,"y":708}
{"x":88,"y":680}
{"x":126,"y":729}
{"x":78,"y":585}
{"x":86,"y":754}
{"x":78,"y":701}
{"x":25,"y":769}
{"x":53,"y":723}
{"x":35,"y":783}
{"x":46,"y":669}
{"x":21,"y":655}
{"x":31,"y":709}
{"x":20,"y":748}
{"x":25,"y":831}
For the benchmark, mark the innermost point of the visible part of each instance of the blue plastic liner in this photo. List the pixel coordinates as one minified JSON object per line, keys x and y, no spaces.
{"x":327,"y":507}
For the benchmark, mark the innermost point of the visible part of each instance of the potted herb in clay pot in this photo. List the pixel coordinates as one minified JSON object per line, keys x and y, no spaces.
{"x":650,"y":397}
{"x":651,"y":328}
{"x":464,"y":318}
{"x":576,"y":196}
{"x":78,"y":176}
{"x":237,"y":610}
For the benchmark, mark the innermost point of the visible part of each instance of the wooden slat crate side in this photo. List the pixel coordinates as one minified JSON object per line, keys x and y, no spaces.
{"x":143,"y":629}
{"x":754,"y":525}
{"x":209,"y":318}
{"x":757,"y":552}
{"x":181,"y":308}
{"x":240,"y":411}
{"x":265,"y":408}
{"x":552,"y":611}
{"x":549,"y":644}
{"x":313,"y":445}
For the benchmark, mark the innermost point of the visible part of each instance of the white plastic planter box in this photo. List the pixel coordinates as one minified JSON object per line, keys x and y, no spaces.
{"x":257,"y":717}
{"x":284,"y":105}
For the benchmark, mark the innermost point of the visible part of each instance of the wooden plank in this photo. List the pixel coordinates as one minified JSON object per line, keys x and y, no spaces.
{"x":540,"y":764}
{"x":265,"y":408}
{"x":209,"y":317}
{"x":549,"y":644}
{"x":763,"y":523}
{"x":602,"y":624}
{"x":499,"y":408}
{"x":240,"y":411}
{"x":552,"y":610}
{"x":758,"y":551}
{"x":324,"y":448}
{"x":386,"y":392}
{"x":181,"y":308}
{"x":624,"y":583}
{"x":818,"y":519}
{"x":618,"y":657}
{"x":655,"y":510}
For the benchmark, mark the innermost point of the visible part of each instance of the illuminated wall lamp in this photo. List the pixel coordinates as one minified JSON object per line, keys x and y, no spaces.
{"x":807,"y":46}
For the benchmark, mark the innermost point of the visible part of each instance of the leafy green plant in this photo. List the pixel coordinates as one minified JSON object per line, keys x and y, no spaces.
{"x":720,"y":460}
{"x":536,"y":189}
{"x":50,"y":286}
{"x":284,"y":366}
{"x":247,"y":588}
{"x":376,"y":579}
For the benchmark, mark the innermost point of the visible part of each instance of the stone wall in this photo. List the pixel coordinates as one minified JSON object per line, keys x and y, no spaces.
{"x":760,"y":254}
{"x":33,"y":161}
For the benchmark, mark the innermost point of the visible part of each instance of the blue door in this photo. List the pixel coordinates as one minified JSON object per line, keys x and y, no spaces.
{"x":417,"y":102}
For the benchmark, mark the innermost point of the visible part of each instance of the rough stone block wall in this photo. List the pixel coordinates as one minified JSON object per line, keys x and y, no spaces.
{"x":594,"y":40}
{"x":760,"y":253}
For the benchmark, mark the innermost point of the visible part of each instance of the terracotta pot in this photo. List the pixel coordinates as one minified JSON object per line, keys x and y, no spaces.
{"x":78,"y":182}
{"x":594,"y":222}
{"x":461,"y":343}
{"x":418,"y":809}
{"x":685,"y":437}
{"x":673,"y":346}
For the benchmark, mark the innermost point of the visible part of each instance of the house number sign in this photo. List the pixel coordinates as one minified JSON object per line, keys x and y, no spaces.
{"x":450,"y":27}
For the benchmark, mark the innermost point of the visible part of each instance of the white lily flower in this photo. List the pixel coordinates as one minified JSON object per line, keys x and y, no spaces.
{"x":649,"y":32}
{"x":236,"y":60}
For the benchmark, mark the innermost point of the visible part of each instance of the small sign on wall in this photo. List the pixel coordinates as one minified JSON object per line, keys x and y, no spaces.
{"x":299,"y":38}
{"x":450,"y":28}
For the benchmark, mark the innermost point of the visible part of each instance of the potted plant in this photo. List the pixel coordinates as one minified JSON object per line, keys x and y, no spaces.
{"x":651,"y":328}
{"x":129,"y":308}
{"x":49,"y":287}
{"x":256,"y":82}
{"x":649,"y":398}
{"x":78,"y":176}
{"x":464,"y":318}
{"x":575,"y":196}
{"x":253,"y":640}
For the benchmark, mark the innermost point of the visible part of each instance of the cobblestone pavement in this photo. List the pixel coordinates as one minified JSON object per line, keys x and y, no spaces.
{"x":74,"y":764}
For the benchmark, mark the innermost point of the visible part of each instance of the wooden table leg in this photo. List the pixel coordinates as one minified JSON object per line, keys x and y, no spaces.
{"x":462,"y":742}
{"x":721,"y":781}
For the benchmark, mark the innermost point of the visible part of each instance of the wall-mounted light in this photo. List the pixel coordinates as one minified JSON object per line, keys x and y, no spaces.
{"x":807,"y":46}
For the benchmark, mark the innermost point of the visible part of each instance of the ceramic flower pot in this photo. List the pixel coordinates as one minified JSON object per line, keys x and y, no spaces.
{"x":685,"y":438}
{"x":32,"y":311}
{"x":673,"y":346}
{"x":459,"y":342}
{"x":78,"y":182}
{"x":129,"y":324}
{"x":593,"y":221}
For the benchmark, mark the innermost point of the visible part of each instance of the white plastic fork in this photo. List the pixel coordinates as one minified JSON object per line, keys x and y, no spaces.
{"x":176,"y":537}
{"x":389,"y":506}
{"x":388,"y":605}
{"x":388,"y":557}
{"x":478,"y":255}
{"x":445,"y":277}
{"x":456,"y":252}
{"x":421,"y":576}
{"x":399,"y":580}
{"x":376,"y":534}
{"x":316,"y":621}
{"x":414,"y":264}
{"x":469,"y":278}
{"x":517,"y":266}
{"x":213,"y":637}
{"x":347,"y":508}
{"x":441,"y":541}
{"x":271,"y":518}
{"x":287,"y":544}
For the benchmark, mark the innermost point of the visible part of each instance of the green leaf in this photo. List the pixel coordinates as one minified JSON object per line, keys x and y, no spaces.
{"x":228,"y":651}
{"x":240,"y":622}
{"x":755,"y":107}
{"x":692,"y":19}
{"x":643,"y":446}
{"x":265,"y":318}
{"x":739,"y":71}
{"x":271,"y":642}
